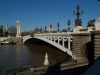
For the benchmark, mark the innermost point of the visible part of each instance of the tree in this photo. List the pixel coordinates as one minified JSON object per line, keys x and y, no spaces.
{"x":12,"y":30}
{"x":1,"y":30}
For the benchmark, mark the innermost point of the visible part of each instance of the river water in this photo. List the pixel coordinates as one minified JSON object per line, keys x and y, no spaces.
{"x":12,"y":56}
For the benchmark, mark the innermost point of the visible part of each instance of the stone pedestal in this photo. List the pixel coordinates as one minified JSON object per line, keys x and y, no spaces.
{"x":19,"y":40}
{"x":77,"y":28}
{"x":90,"y":29}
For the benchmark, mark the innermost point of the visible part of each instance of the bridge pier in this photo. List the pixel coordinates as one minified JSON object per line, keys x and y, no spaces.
{"x":18,"y":40}
{"x":79,"y":47}
{"x":96,"y":41}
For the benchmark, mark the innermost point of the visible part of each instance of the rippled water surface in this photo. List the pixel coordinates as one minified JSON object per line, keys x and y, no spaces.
{"x":30,"y":54}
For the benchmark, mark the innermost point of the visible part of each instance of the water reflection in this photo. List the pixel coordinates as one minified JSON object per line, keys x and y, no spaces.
{"x":39,"y":51}
{"x":31,"y":54}
{"x":18,"y":64}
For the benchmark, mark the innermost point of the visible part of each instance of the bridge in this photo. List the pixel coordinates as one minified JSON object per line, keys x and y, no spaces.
{"x":56,"y":39}
{"x":75,"y":46}
{"x":82,"y":39}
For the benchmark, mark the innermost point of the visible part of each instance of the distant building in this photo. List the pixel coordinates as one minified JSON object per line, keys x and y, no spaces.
{"x":1,"y":32}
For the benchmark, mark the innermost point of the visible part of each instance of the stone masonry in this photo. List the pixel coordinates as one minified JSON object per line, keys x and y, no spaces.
{"x":79,"y":47}
{"x":96,"y":35}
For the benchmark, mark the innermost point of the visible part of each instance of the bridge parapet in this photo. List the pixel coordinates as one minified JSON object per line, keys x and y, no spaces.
{"x":57,"y":37}
{"x":54,"y":34}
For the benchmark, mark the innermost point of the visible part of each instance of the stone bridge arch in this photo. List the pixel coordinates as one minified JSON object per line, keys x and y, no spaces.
{"x":51,"y":40}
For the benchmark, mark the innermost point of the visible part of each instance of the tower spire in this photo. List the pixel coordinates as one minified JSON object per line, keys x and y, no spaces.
{"x":50,"y":27}
{"x":18,"y":28}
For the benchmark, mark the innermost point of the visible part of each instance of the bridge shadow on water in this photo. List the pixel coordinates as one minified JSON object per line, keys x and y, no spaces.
{"x":38,"y":42}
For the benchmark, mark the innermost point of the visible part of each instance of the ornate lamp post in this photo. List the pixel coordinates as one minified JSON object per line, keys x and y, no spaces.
{"x":58,"y":27}
{"x":45,"y":28}
{"x":68,"y":23}
{"x":78,"y":21}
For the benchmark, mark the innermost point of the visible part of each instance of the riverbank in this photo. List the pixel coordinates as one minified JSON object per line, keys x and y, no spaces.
{"x":7,"y":43}
{"x":55,"y":71}
{"x":59,"y":68}
{"x":48,"y":71}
